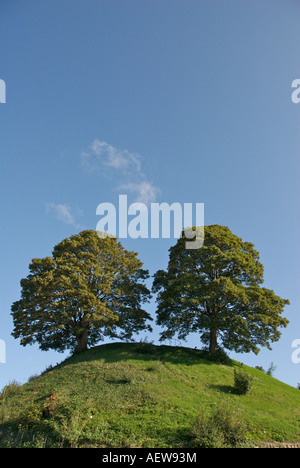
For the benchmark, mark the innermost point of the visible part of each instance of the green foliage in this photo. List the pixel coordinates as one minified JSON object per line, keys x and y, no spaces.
{"x":88,"y":289}
{"x":223,"y":428}
{"x":216,"y":291}
{"x":242,"y":382}
{"x":30,"y":416}
{"x":219,"y":356}
{"x":146,"y":347}
{"x":271,"y":369}
{"x":13,"y":388}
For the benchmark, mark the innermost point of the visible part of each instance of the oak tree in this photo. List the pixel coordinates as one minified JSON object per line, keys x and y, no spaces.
{"x":89,"y":288}
{"x":217,"y":291}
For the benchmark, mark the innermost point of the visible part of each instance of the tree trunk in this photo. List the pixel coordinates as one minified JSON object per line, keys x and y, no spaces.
{"x":213,"y":341}
{"x":82,"y":342}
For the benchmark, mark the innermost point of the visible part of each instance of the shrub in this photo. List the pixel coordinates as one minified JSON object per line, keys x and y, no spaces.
{"x":33,"y":377}
{"x":222,"y":429}
{"x":242,"y":382}
{"x":271,"y":369}
{"x":145,"y":347}
{"x":13,"y":388}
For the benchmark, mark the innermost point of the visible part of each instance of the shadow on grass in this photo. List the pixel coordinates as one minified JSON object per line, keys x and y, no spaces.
{"x":40,"y":435}
{"x":115,"y":352}
{"x":227,"y":389}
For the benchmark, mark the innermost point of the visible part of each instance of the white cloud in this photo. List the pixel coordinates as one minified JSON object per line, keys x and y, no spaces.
{"x":145,"y":191}
{"x":62,"y":212}
{"x":102,"y":154}
{"x":124,"y":165}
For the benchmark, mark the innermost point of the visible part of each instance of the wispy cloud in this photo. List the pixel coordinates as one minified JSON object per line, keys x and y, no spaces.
{"x":145,"y":192}
{"x":102,"y":154}
{"x":125,"y":166}
{"x":62,"y":212}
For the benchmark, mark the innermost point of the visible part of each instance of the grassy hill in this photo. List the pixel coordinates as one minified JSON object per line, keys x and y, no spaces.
{"x":141,"y":395}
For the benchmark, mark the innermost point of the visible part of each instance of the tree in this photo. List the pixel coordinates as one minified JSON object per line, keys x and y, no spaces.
{"x":91,"y":287}
{"x":216,"y":291}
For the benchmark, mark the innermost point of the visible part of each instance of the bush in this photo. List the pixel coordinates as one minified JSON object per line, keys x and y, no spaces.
{"x":271,"y":369}
{"x":242,"y":382}
{"x":145,"y":347}
{"x":222,"y":429}
{"x":13,"y":388}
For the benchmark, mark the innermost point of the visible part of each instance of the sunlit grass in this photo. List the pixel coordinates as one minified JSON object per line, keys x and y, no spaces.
{"x":128,"y":395}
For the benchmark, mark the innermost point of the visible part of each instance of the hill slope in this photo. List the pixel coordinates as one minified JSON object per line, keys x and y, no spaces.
{"x":134,"y":395}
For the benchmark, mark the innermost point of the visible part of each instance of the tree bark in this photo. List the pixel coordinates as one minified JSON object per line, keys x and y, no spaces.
{"x":82,"y":342}
{"x":213,"y":341}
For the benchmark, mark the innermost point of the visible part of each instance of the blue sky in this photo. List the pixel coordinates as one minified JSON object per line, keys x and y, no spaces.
{"x":174,"y":101}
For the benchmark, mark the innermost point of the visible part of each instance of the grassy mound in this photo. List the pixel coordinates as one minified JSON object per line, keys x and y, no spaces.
{"x":141,"y":395}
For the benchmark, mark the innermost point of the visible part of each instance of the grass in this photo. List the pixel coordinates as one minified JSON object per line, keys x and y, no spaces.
{"x":137,"y":395}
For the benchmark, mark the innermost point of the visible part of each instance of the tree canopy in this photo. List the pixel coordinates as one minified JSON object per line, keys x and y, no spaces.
{"x":89,"y":288}
{"x":217,"y":291}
